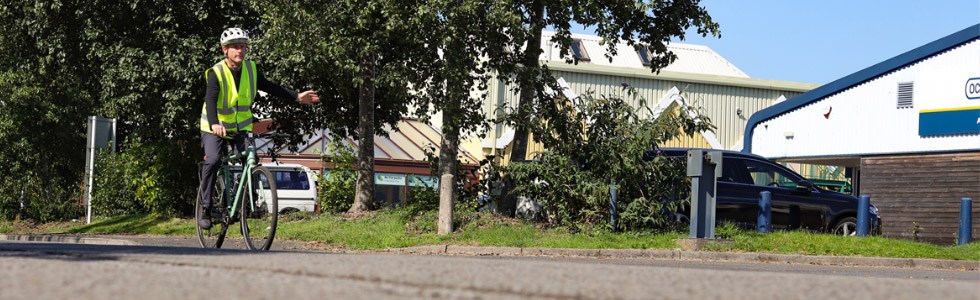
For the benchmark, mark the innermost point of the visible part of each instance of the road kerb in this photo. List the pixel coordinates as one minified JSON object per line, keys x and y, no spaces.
{"x":483,"y":251}
{"x":677,"y":254}
{"x":67,"y":239}
{"x":562,"y":252}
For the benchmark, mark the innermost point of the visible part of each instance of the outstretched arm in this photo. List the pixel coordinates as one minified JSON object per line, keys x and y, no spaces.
{"x":307,"y":97}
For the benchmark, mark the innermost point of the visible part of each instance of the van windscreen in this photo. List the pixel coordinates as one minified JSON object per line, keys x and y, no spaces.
{"x":291,"y":180}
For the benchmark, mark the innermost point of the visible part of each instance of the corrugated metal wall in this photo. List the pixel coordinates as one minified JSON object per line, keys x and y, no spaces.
{"x":719,"y":102}
{"x":866,"y":119}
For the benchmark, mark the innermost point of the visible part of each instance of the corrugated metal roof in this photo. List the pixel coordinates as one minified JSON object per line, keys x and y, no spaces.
{"x":690,"y":58}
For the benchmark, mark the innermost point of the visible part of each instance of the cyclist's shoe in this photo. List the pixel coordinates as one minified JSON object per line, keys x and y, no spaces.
{"x":205,"y":221}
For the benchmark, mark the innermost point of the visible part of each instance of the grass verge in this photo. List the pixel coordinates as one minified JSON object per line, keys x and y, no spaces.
{"x":401,"y":228}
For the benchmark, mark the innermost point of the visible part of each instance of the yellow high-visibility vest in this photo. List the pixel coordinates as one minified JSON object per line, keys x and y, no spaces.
{"x":234,"y":99}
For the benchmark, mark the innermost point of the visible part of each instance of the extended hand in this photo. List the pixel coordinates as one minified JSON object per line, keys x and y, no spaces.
{"x":308,"y":97}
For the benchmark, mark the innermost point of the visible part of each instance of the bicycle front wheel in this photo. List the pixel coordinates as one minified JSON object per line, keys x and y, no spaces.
{"x":212,"y":237}
{"x":260,"y":210}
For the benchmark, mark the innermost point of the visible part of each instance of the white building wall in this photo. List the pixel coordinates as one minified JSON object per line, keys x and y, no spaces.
{"x":865,"y":119}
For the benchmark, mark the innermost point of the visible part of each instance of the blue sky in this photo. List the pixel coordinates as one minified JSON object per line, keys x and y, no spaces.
{"x":821,"y":41}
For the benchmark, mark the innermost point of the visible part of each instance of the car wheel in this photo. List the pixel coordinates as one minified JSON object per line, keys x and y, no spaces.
{"x":846,"y":227}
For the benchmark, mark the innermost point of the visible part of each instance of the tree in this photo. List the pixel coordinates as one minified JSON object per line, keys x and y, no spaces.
{"x":457,"y":87}
{"x":365,"y":54}
{"x":644,"y":24}
{"x":61,"y":61}
{"x":640,"y":24}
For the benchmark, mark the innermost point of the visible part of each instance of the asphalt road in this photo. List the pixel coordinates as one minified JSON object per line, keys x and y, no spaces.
{"x":79,"y":271}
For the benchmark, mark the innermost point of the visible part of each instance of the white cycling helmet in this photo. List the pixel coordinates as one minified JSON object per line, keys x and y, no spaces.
{"x":234,"y":36}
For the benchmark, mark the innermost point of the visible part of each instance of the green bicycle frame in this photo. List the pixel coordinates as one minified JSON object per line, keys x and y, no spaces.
{"x":251,"y":163}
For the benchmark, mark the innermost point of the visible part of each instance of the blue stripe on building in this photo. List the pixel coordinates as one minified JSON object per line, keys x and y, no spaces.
{"x":949,"y":122}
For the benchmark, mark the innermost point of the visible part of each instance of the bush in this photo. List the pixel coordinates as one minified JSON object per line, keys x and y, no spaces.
{"x":336,"y":189}
{"x":144,"y":178}
{"x":30,"y":197}
{"x":571,"y":180}
{"x":468,"y":184}
{"x":422,"y":199}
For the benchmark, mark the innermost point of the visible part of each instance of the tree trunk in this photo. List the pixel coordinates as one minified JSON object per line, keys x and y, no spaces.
{"x":532,"y":54}
{"x":364,"y":192}
{"x":448,"y":164}
{"x":508,"y":204}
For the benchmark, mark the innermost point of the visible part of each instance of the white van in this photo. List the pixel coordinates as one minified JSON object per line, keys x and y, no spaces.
{"x":295,"y":185}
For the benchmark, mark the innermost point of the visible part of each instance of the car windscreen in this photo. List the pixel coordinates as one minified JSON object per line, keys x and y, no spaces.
{"x":285,"y":180}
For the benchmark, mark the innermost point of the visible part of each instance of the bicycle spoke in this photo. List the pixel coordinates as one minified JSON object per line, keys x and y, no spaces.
{"x":259,"y":210}
{"x":212,"y":237}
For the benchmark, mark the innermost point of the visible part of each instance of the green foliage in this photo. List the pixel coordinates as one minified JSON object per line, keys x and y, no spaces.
{"x":467,"y":182}
{"x":62,"y":61}
{"x":363,"y":57}
{"x":113,"y":194}
{"x":422,"y":199}
{"x":335,"y":190}
{"x":728,"y":230}
{"x":611,"y":146}
{"x":642,"y":25}
{"x":142,"y":179}
{"x":322,"y":45}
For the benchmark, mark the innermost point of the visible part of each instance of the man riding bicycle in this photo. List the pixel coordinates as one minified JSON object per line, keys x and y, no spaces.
{"x":232,"y":86}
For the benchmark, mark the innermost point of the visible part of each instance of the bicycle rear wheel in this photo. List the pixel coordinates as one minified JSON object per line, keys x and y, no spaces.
{"x":259,"y":217}
{"x":214,"y":236}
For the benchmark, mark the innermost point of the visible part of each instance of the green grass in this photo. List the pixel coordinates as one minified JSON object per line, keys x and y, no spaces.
{"x":400,"y":228}
{"x":6,"y":226}
{"x":801,"y":242}
{"x":136,"y":224}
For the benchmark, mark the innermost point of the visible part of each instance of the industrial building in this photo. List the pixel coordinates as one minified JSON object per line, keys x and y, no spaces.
{"x":700,"y":76}
{"x":907,"y":130}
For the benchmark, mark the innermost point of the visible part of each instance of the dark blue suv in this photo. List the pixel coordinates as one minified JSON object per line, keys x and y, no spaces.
{"x":796,"y":202}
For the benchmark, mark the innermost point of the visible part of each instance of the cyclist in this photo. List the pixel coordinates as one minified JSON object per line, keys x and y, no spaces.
{"x":232,"y":86}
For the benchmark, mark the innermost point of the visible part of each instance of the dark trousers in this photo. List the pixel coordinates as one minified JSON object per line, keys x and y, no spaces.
{"x":214,"y":150}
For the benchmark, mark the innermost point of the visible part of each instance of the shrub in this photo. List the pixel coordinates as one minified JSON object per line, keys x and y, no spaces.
{"x":144,"y":178}
{"x":467,"y":185}
{"x":571,"y":180}
{"x":336,"y":189}
{"x":422,"y":199}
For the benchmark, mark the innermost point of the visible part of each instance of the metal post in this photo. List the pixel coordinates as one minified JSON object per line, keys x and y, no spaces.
{"x":101,"y":134}
{"x":966,"y":221}
{"x":90,"y":168}
{"x":764,"y":221}
{"x":703,"y":168}
{"x":612,"y":203}
{"x":862,"y":215}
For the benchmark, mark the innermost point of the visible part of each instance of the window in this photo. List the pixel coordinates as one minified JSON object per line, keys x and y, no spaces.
{"x":578,"y":50}
{"x":645,"y":55}
{"x":904,"y":95}
{"x":768,"y":175}
{"x":291,"y":180}
{"x":285,"y":180}
{"x":732,"y":170}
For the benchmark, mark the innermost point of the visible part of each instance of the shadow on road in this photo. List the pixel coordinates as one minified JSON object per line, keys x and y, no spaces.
{"x":85,"y":252}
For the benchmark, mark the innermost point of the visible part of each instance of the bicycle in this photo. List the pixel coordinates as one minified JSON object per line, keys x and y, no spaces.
{"x":255,"y":203}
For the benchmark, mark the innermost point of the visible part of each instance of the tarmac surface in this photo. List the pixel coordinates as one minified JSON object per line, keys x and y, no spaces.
{"x":676,"y":254}
{"x":174,"y":267}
